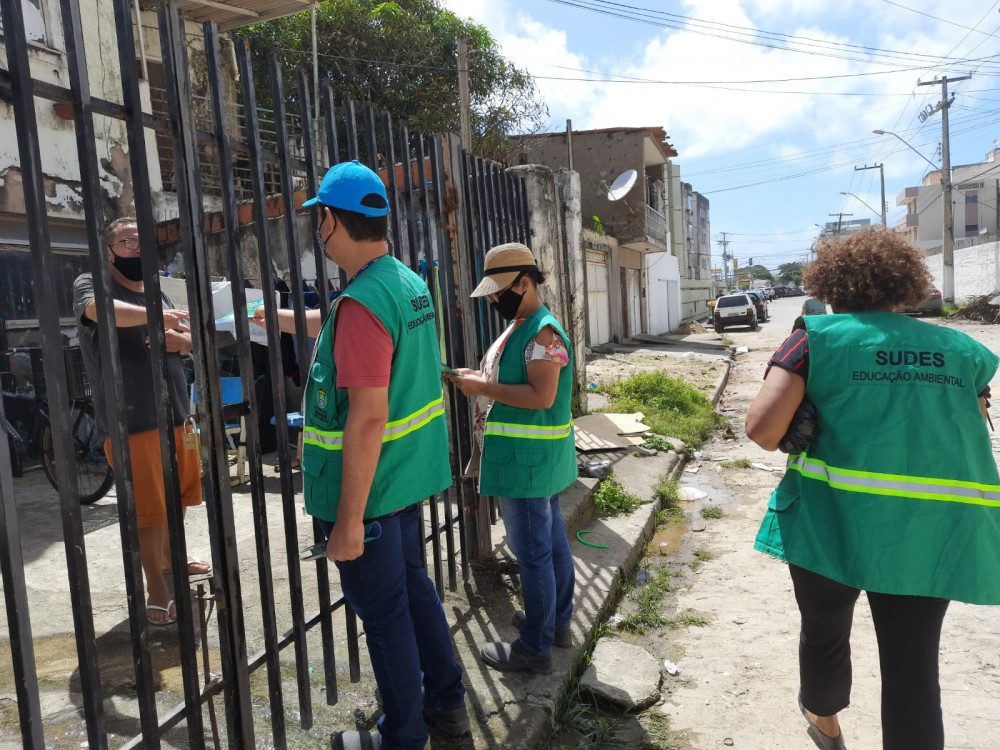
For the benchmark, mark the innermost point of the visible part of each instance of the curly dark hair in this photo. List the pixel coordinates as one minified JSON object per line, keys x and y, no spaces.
{"x":874,"y":269}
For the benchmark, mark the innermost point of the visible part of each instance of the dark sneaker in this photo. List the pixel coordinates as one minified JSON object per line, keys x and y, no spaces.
{"x":564,"y":636}
{"x":512,"y":657}
{"x":354,"y":740}
{"x":454,"y":723}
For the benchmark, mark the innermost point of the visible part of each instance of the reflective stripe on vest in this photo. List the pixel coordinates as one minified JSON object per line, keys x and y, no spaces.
{"x":899,"y":485}
{"x":529,"y":431}
{"x":333,"y":440}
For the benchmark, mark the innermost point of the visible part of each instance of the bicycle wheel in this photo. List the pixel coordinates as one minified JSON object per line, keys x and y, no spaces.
{"x":95,"y":474}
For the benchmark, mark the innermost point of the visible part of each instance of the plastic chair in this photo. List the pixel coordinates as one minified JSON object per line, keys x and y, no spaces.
{"x":231,"y":391}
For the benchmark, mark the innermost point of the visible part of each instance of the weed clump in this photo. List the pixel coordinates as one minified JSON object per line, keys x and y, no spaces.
{"x":611,"y":499}
{"x":671,"y":406}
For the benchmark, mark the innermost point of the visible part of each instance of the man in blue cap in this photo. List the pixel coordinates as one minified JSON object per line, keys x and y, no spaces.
{"x":375,"y":446}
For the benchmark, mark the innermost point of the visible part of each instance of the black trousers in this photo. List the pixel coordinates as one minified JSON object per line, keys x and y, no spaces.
{"x":908,"y":629}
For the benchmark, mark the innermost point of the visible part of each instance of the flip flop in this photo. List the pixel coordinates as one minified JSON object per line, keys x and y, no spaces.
{"x":196,"y":567}
{"x":823,"y":741}
{"x":168,"y":619}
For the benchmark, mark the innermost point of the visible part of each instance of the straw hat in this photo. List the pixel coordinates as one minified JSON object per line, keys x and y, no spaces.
{"x":504,"y":263}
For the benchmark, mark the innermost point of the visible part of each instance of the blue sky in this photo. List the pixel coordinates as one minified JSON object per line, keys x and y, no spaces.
{"x":772,"y":157}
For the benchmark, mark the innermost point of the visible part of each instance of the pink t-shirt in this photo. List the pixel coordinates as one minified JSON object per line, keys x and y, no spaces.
{"x":362,"y":348}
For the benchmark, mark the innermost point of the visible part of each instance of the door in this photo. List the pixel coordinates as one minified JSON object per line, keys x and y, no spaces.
{"x":598,"y":299}
{"x":633,"y":301}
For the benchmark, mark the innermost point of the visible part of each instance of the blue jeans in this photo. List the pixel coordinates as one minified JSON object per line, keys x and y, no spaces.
{"x":536,"y":535}
{"x":408,"y":639}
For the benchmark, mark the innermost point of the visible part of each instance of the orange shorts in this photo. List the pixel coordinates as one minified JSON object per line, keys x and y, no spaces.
{"x":147,"y":475}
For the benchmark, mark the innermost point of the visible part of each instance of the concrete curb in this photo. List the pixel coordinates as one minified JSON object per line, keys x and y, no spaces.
{"x":516,"y":711}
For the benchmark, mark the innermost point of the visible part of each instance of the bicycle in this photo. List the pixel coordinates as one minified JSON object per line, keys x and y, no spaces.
{"x":26,"y":420}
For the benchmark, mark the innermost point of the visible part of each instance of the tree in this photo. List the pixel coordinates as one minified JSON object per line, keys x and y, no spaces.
{"x":790,"y":273}
{"x":756,"y":271}
{"x":402,"y":56}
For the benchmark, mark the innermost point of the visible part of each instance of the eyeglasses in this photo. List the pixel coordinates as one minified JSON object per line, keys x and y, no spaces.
{"x":132,"y":243}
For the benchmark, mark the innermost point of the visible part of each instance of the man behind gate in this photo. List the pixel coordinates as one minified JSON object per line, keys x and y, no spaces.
{"x":375,"y":445}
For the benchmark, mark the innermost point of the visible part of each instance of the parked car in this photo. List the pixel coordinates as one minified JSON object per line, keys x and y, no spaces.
{"x":734,"y":310}
{"x":768,"y":293}
{"x":761,"y":303}
{"x":930,"y":306}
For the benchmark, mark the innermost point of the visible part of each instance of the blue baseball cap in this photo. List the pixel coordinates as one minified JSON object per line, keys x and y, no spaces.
{"x":351,"y":186}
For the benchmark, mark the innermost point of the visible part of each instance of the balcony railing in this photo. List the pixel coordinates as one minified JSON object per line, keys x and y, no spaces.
{"x":656,"y":227}
{"x":209,"y":164}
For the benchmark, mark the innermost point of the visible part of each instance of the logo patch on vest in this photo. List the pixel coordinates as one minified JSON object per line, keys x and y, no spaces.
{"x":321,"y":399}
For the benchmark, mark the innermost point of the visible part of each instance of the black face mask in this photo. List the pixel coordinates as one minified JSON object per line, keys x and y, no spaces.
{"x":130,"y":268}
{"x":508,"y":304}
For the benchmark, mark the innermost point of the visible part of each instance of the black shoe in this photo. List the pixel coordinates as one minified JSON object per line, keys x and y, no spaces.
{"x":354,"y":740}
{"x":454,"y":723}
{"x":512,"y":657}
{"x":564,"y":636}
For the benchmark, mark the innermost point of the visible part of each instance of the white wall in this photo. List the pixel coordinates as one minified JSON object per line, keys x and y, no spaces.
{"x":663,"y":310}
{"x":977,"y":270}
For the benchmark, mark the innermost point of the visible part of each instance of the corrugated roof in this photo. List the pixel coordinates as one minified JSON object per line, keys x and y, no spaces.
{"x":232,"y":14}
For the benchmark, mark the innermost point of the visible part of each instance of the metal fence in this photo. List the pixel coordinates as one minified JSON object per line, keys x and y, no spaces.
{"x":447,"y":209}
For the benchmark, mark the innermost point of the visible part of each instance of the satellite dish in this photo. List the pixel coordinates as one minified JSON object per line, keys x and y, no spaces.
{"x":622,"y":184}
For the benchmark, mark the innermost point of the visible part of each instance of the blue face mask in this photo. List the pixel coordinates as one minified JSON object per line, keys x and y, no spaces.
{"x":320,"y":242}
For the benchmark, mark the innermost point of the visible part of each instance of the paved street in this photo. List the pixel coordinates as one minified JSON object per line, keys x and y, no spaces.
{"x":738,"y":676}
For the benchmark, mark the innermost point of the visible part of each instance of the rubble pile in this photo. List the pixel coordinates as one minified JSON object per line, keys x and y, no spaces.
{"x":692,"y":326}
{"x":983,"y":309}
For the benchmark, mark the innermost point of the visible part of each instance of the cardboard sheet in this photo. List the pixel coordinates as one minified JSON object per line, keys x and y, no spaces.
{"x":607,"y":432}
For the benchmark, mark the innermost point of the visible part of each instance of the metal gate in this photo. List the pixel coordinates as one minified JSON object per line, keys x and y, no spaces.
{"x":447,"y":209}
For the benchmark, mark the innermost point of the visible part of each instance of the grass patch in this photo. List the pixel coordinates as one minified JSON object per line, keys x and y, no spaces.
{"x":949,"y":310}
{"x":668,"y":516}
{"x":701,"y":556}
{"x":712,"y":512}
{"x":611,"y":499}
{"x":648,"y":601}
{"x":739,"y":463}
{"x":671,"y":406}
{"x":688,"y":620}
{"x":667,"y":492}
{"x":597,"y":729}
{"x":727,"y":340}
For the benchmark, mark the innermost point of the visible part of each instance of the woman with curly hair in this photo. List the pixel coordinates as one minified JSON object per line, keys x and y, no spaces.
{"x":896,"y":493}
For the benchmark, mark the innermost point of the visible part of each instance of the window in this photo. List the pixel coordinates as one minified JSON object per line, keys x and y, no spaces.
{"x":34,"y":21}
{"x":971,"y":229}
{"x":971,"y":198}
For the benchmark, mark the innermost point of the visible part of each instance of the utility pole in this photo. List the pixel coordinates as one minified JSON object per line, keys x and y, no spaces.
{"x":881,"y":174}
{"x":725,"y":257}
{"x":948,"y":240}
{"x":464,"y":101}
{"x":840,"y":220}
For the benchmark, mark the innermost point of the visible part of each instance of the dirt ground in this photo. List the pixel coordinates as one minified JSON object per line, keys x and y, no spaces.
{"x":738,"y":673}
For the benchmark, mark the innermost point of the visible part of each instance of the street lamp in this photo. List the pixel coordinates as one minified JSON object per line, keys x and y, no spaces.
{"x":869,"y":207}
{"x":948,"y":230}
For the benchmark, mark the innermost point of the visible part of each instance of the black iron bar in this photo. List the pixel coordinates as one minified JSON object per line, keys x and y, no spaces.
{"x":452,"y":340}
{"x":353,"y":651}
{"x":258,"y":498}
{"x":351,"y":125}
{"x":393,"y":189}
{"x":371,"y":139}
{"x":322,"y":288}
{"x":275,"y":368}
{"x":215,"y":462}
{"x":330,"y":118}
{"x":302,"y":345}
{"x":411,"y":214}
{"x":146,"y":224}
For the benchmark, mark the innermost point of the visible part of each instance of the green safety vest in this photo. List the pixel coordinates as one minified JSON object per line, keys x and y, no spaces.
{"x":899,"y":492}
{"x":529,"y":452}
{"x":413,"y":464}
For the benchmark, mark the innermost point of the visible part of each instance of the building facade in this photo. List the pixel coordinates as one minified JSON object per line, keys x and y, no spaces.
{"x":975,"y":203}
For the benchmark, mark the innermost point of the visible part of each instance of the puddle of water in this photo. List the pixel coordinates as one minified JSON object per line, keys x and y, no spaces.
{"x":671,"y":535}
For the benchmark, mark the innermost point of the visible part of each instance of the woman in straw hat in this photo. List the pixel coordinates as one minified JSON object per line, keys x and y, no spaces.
{"x":525,"y":451}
